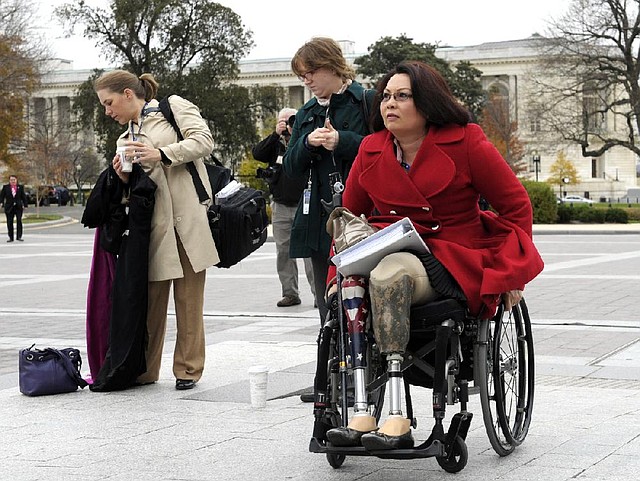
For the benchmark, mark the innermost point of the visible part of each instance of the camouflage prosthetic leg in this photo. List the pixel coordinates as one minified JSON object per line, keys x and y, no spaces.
{"x":391,"y":296}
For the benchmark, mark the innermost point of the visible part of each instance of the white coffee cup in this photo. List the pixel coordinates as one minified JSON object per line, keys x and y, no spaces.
{"x":258,"y":377}
{"x":125,"y":160}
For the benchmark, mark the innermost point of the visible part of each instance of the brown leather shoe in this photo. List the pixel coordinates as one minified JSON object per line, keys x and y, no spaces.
{"x":288,"y":301}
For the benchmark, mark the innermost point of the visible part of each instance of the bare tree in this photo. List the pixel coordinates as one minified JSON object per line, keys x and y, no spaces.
{"x":58,"y":152}
{"x":502,"y":131}
{"x":22,"y":53}
{"x":192,"y":47}
{"x":587,"y":87}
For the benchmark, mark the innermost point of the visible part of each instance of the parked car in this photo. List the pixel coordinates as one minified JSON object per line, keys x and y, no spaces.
{"x":576,"y":199}
{"x":31,"y":195}
{"x":54,"y":194}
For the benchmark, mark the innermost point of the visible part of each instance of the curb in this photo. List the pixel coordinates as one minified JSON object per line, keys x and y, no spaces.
{"x":587,"y":229}
{"x":559,"y":229}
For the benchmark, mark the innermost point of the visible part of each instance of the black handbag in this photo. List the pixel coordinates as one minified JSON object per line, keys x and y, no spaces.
{"x":49,"y":371}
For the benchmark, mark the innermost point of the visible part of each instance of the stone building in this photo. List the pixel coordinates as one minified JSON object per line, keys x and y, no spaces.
{"x":506,"y":68}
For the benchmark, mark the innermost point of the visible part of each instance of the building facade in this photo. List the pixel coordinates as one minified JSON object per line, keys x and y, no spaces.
{"x":506,"y":69}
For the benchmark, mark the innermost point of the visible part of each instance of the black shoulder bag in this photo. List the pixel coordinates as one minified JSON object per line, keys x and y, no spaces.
{"x":239,"y":224}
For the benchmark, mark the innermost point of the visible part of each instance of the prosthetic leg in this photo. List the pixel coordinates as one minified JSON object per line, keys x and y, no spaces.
{"x":356,"y":309}
{"x":391,"y":296}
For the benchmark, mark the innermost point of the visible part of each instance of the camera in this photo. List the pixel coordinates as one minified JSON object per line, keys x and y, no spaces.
{"x":290,"y":121}
{"x":270,"y":174}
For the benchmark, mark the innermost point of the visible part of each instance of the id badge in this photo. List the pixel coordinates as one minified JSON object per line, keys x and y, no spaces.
{"x":306,"y":201}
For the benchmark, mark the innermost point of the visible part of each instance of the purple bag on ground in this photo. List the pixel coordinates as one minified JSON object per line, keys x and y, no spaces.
{"x":49,"y":371}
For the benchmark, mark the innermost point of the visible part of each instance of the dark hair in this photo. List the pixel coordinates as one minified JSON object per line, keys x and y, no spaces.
{"x":144,"y":87}
{"x":431,"y":96}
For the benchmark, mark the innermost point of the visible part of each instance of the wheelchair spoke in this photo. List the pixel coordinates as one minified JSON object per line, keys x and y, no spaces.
{"x":489,"y":381}
{"x":514,"y":393}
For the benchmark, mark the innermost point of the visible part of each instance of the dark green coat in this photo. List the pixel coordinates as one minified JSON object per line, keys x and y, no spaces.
{"x":346,"y":114}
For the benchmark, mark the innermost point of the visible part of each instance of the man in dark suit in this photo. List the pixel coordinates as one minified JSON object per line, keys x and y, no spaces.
{"x":14,"y":200}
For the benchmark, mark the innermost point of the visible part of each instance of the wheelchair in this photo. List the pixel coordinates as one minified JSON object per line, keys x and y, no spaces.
{"x":454,"y":354}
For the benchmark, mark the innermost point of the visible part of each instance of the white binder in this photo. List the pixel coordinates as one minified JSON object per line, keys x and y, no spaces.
{"x":362,"y":257}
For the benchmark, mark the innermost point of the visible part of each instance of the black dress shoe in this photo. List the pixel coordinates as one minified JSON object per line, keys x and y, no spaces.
{"x":21,"y":240}
{"x":376,"y":441}
{"x":344,"y":437}
{"x":10,"y":240}
{"x":184,"y":384}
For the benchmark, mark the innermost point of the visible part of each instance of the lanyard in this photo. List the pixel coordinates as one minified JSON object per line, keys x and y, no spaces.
{"x":143,"y":114}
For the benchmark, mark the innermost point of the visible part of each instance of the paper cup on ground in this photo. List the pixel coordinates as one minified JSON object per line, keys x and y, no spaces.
{"x":258,"y":376}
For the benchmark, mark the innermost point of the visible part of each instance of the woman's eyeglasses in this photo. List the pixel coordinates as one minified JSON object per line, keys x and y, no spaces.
{"x":398,"y":96}
{"x":306,"y":76}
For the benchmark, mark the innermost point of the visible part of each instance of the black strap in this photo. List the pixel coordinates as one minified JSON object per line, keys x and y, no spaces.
{"x":366,"y":108}
{"x":165,"y":108}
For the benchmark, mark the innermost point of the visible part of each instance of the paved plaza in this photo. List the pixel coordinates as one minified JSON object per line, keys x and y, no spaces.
{"x":585,"y":309}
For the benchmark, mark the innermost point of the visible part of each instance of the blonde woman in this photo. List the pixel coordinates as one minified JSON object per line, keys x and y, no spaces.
{"x":181,"y":247}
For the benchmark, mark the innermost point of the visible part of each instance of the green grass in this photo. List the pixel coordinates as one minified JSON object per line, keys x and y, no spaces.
{"x":36,"y":219}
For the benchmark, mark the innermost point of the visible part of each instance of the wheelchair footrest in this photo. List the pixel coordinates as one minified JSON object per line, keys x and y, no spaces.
{"x":459,"y":426}
{"x":316,"y":446}
{"x":428,"y":449}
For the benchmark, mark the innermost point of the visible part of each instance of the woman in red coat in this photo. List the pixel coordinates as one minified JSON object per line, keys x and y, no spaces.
{"x":426,"y":161}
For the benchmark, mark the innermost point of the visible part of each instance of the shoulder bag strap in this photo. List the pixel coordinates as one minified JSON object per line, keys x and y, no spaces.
{"x":165,"y":108}
{"x":366,"y":107}
{"x":69,"y":367}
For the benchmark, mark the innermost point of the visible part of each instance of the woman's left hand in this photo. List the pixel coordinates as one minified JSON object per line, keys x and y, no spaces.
{"x":144,"y":153}
{"x":331,"y":137}
{"x":511,"y":298}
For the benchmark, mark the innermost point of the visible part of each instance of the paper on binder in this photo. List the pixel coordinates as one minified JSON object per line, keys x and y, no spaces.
{"x":228,"y":190}
{"x":362,"y":257}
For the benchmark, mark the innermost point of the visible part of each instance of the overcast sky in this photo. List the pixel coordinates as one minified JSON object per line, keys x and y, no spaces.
{"x":280,"y":27}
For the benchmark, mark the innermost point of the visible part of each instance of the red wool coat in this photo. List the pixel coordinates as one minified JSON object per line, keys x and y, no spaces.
{"x":487,"y":254}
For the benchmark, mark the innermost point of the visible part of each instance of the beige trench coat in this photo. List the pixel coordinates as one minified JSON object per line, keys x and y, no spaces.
{"x":177,"y":208}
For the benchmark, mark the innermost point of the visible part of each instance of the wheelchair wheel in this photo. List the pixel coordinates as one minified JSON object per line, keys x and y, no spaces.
{"x":457,"y":459}
{"x":517,"y":381}
{"x":336,"y":460}
{"x":506,"y":377}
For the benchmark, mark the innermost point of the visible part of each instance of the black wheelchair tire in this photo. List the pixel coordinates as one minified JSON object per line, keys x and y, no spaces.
{"x":457,"y":459}
{"x":516,"y":405}
{"x":335,"y":460}
{"x":484,"y":377}
{"x":506,"y":373}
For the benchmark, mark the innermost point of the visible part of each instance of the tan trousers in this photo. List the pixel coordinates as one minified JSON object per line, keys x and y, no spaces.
{"x":188,"y":296}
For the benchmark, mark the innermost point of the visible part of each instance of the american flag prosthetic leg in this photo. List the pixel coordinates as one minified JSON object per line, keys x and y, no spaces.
{"x":356,"y":309}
